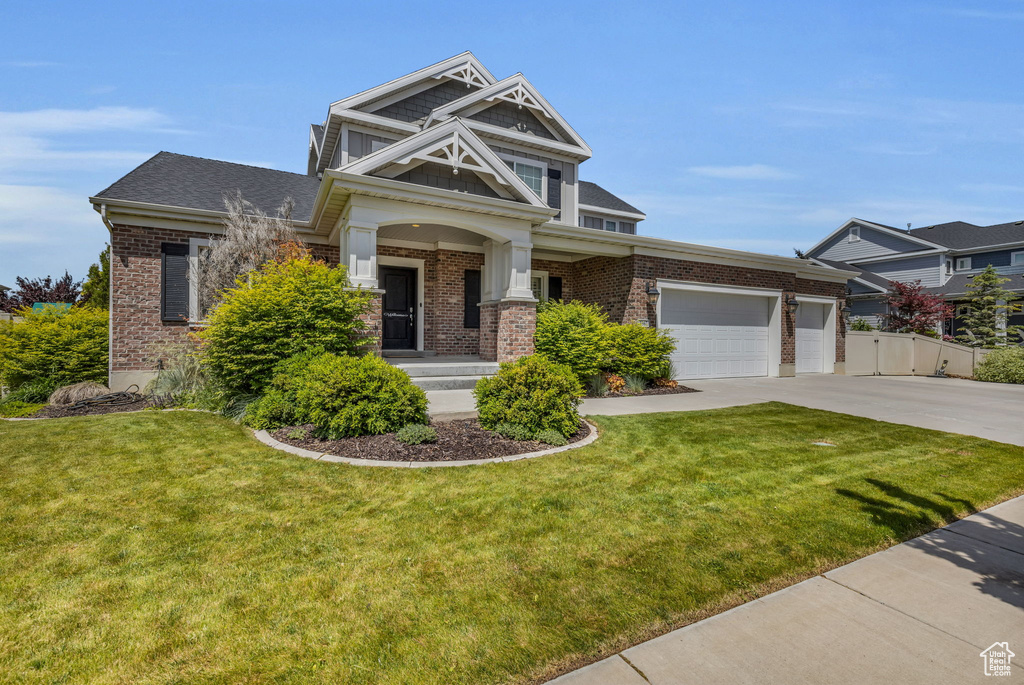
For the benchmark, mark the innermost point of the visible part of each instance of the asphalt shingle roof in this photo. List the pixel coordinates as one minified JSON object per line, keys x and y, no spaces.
{"x":596,"y":196}
{"x":957,"y":284}
{"x":960,"y":235}
{"x":318,"y":134}
{"x":198,"y":183}
{"x":868,"y":276}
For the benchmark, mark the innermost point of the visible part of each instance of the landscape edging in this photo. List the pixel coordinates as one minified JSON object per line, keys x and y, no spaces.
{"x":265,"y":437}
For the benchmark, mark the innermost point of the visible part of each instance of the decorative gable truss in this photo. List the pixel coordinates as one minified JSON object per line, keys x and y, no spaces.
{"x":467,"y":74}
{"x":453,"y":145}
{"x":518,"y":91}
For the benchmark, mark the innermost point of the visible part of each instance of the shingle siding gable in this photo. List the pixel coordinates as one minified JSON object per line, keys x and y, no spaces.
{"x":417,"y":107}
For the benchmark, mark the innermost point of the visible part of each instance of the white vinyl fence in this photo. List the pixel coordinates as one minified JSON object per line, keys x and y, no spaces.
{"x":873,"y":353}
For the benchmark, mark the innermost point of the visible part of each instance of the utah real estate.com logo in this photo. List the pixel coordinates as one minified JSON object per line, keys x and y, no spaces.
{"x":997,"y":659}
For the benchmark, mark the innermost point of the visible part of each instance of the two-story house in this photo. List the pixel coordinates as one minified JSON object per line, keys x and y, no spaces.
{"x":457,"y":198}
{"x":943,"y":257}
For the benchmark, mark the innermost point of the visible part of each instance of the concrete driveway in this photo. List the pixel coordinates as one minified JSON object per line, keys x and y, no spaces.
{"x":986,"y":410}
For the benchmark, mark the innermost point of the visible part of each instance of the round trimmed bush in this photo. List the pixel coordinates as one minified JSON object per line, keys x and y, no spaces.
{"x":638,"y":350}
{"x":574,"y":334}
{"x":54,"y":347}
{"x":1005,"y":365}
{"x":349,"y":396}
{"x":533,"y":392}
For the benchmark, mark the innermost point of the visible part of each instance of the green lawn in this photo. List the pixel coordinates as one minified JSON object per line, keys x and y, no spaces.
{"x":172,"y":547}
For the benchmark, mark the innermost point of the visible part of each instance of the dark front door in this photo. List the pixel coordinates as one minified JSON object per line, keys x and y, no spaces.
{"x":399,"y":308}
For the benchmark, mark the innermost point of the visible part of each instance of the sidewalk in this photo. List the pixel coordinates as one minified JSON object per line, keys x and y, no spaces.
{"x":919,"y":612}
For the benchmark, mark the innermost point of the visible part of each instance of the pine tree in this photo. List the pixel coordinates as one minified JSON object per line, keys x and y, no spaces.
{"x":989,"y":307}
{"x":96,"y":289}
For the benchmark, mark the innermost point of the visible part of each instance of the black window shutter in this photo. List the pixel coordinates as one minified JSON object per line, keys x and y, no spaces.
{"x":173,"y":281}
{"x":554,"y":189}
{"x":471,"y":317}
{"x":554,"y":287}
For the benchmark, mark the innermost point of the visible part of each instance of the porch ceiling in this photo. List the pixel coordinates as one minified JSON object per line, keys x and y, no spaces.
{"x":431,"y":233}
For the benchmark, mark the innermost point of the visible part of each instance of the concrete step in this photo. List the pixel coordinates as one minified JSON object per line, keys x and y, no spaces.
{"x":430,"y":383}
{"x":446,"y":369}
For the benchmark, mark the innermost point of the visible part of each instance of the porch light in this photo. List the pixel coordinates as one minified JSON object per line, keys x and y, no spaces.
{"x":846,"y":311}
{"x":653,"y":293}
{"x":793,"y":304}
{"x":415,"y":225}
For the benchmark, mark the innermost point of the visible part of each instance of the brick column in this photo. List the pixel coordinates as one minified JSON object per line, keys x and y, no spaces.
{"x":506,"y":329}
{"x":517,"y":322}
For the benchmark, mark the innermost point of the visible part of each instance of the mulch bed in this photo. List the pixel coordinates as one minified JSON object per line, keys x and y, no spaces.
{"x":679,"y":389}
{"x":57,"y":411}
{"x":459,"y":440}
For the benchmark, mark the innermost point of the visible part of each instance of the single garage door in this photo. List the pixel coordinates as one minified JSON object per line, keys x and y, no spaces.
{"x":810,"y":338}
{"x":717,"y":335}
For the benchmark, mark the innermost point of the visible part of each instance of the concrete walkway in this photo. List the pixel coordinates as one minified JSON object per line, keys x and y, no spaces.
{"x":919,"y":612}
{"x":986,"y":410}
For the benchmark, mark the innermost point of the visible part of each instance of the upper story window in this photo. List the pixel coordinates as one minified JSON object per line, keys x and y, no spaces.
{"x":1017,"y":259}
{"x":609,"y":226}
{"x":963,"y":263}
{"x":854,"y":235}
{"x":532,"y":176}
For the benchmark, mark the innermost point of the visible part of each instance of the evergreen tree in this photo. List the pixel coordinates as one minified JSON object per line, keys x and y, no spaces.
{"x":990,"y":305}
{"x":96,"y":289}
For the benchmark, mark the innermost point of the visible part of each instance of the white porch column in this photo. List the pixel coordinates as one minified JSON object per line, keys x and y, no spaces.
{"x":359,"y":252}
{"x":506,"y":271}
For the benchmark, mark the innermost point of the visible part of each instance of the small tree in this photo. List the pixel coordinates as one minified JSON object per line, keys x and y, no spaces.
{"x":251,"y":239}
{"x":28,"y":291}
{"x":990,"y":305}
{"x":912,"y":310}
{"x":96,"y":289}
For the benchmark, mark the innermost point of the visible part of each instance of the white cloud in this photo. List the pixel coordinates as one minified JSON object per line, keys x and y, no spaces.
{"x":71,"y":120}
{"x":749,"y":172}
{"x":42,"y":215}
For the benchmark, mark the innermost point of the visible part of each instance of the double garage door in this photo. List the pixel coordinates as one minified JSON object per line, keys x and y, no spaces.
{"x":726,"y":335}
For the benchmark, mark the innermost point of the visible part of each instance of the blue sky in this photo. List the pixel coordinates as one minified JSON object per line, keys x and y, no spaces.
{"x":752,"y":125}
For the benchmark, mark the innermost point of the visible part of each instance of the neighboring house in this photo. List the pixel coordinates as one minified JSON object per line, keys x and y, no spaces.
{"x":944,"y":257}
{"x":457,"y":197}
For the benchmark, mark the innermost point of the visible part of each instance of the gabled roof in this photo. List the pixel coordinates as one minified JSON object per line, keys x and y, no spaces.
{"x":854,"y":221}
{"x":867,"y":278}
{"x":451,"y":144}
{"x":517,"y":90}
{"x":316,"y":133}
{"x":960,"y":235}
{"x":196,"y":183}
{"x":594,"y":195}
{"x":463,"y":67}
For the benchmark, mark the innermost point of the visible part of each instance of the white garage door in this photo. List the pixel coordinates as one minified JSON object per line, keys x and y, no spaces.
{"x":717,"y":335}
{"x":810,"y":338}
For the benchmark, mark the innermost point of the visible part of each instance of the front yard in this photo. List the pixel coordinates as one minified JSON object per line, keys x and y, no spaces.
{"x":172,"y":547}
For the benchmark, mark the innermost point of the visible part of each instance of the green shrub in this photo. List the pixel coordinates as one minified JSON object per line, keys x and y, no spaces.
{"x":280,"y":310}
{"x":278,"y":406}
{"x":552,"y":437}
{"x":532,"y":391}
{"x":1005,"y":365}
{"x":638,"y":350}
{"x":298,"y":434}
{"x":349,"y":396}
{"x":15,"y":409}
{"x":574,"y":334}
{"x":860,"y":324}
{"x":55,"y":346}
{"x":416,"y":434}
{"x":515,"y":431}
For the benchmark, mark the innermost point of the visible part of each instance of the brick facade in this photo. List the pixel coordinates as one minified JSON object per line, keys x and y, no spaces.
{"x":506,"y":328}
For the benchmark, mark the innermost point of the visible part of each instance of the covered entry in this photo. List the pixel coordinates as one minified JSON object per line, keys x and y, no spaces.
{"x":720,"y":332}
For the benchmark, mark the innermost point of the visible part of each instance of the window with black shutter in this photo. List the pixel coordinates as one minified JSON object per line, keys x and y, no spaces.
{"x":471,"y":316}
{"x":554,"y":288}
{"x":174,"y":281}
